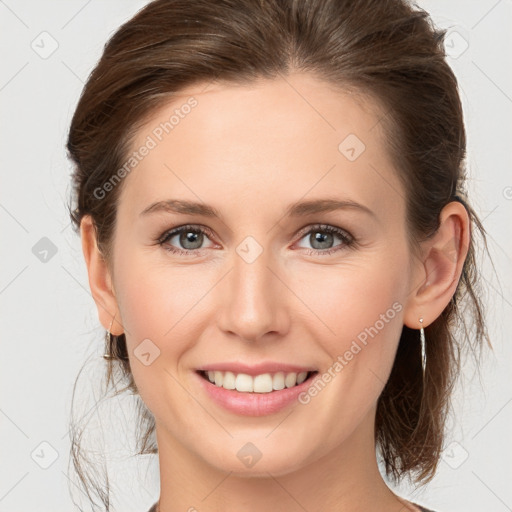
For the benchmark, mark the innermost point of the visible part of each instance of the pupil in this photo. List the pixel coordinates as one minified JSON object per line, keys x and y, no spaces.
{"x":191,"y":237}
{"x":322,"y":238}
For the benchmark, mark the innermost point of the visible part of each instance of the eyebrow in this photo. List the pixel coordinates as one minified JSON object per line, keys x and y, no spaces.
{"x":298,"y":209}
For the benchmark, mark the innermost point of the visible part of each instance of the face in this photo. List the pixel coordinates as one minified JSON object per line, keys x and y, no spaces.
{"x":261,"y":281}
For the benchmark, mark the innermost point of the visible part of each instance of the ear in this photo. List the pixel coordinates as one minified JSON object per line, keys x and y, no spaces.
{"x":100,"y":280}
{"x":437,"y":274}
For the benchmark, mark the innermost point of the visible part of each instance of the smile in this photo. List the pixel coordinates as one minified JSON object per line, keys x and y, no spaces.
{"x":263,"y":383}
{"x":248,"y":400}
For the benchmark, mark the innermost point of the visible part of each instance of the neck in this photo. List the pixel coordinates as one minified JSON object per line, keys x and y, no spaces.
{"x":344,"y":479}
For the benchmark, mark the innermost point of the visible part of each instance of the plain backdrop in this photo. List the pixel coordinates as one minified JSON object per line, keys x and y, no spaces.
{"x":49,"y":324}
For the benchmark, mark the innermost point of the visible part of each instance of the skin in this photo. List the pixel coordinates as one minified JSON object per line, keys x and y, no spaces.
{"x":250,"y":151}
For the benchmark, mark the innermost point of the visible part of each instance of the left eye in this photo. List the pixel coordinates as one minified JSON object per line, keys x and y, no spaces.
{"x":191,"y":238}
{"x":323,"y":236}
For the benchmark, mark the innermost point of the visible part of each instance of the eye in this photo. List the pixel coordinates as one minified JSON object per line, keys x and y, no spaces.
{"x":190,"y":237}
{"x":322,"y":236}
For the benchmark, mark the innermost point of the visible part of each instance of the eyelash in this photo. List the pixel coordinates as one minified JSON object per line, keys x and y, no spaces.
{"x":347,"y":239}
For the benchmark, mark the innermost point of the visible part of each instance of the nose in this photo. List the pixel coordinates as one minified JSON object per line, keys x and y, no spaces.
{"x":254,"y":300}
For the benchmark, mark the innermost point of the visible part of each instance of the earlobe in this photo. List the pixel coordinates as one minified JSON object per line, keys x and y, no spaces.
{"x":438,"y":274}
{"x":100,"y":281}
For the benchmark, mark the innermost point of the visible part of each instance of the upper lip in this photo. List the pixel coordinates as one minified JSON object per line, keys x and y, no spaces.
{"x":256,"y":369}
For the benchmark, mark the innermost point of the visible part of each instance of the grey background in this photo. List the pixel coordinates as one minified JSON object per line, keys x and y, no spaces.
{"x":49,"y":324}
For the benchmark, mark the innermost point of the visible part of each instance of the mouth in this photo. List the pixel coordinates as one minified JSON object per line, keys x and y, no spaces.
{"x":260,"y":384}
{"x":258,"y":395}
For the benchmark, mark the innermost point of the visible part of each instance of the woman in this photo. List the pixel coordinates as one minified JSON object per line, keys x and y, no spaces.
{"x":270,"y":196}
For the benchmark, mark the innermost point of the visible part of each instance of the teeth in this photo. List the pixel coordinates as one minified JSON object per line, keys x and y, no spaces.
{"x":264,"y":383}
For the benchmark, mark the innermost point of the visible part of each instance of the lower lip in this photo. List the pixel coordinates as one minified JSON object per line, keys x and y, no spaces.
{"x":254,"y":404}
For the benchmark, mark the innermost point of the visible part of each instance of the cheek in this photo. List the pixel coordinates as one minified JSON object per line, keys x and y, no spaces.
{"x":165,"y":303}
{"x":348,"y":299}
{"x":159,"y":304}
{"x":358,"y":327}
{"x":155,"y":300}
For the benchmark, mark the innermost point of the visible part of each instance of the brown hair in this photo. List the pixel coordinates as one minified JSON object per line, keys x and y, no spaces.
{"x":389,"y":51}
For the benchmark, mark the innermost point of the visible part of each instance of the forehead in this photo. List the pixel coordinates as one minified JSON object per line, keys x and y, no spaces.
{"x":273,"y":140}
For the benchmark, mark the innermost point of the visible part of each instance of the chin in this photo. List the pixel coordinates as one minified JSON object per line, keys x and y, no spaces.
{"x":251,"y":461}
